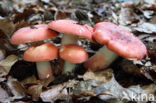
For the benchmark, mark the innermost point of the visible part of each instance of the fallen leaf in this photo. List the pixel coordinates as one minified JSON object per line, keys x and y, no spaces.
{"x":148,"y":14}
{"x":60,"y":14}
{"x":127,"y":16}
{"x":3,"y":95}
{"x":2,"y":54}
{"x":58,"y":92}
{"x":16,"y":88}
{"x":146,"y":28}
{"x":101,"y":76}
{"x":7,"y":63}
{"x":35,"y":91}
{"x":30,"y":80}
{"x":112,"y":90}
{"x":7,"y":26}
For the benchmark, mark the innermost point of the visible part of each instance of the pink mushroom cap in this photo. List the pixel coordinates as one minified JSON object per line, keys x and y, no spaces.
{"x":119,"y":40}
{"x":73,"y":53}
{"x":43,"y":52}
{"x":32,"y":34}
{"x":71,"y":27}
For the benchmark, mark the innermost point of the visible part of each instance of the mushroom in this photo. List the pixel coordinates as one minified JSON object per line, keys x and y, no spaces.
{"x":73,"y":54}
{"x":71,"y":31}
{"x":32,"y":34}
{"x":41,"y":54}
{"x":118,"y":42}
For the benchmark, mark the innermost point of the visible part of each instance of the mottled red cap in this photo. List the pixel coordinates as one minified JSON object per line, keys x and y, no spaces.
{"x":43,"y":52}
{"x":73,"y":53}
{"x":32,"y":34}
{"x":71,"y":27}
{"x":119,"y":40}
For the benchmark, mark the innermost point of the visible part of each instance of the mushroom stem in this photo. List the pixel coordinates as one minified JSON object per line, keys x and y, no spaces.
{"x":69,"y":39}
{"x":44,"y":70}
{"x":101,"y":59}
{"x":69,"y":67}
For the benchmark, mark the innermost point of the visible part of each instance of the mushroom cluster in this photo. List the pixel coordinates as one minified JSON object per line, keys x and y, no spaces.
{"x":117,"y":41}
{"x":69,"y":50}
{"x":40,"y":53}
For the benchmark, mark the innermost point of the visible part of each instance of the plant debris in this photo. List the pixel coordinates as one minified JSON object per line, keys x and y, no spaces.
{"x":124,"y":81}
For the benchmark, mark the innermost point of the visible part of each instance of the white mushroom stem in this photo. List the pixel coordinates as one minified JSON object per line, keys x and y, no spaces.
{"x":44,"y":70}
{"x":69,"y":67}
{"x":69,"y":39}
{"x":101,"y":59}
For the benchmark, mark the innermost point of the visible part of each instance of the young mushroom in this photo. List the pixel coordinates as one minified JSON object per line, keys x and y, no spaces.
{"x":41,"y":54}
{"x":34,"y":34}
{"x":72,"y":31}
{"x":73,"y":54}
{"x":118,"y":42}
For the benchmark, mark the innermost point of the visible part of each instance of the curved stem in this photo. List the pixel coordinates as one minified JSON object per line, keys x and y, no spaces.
{"x":44,"y":70}
{"x":101,"y":59}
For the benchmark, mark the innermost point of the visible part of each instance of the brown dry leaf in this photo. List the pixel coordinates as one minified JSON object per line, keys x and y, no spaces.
{"x":35,"y":91}
{"x":101,"y":76}
{"x":2,"y":54}
{"x":61,"y":91}
{"x":30,"y":80}
{"x":149,"y":88}
{"x":23,"y":15}
{"x":111,"y":90}
{"x":146,"y":28}
{"x":21,"y":5}
{"x":7,"y":27}
{"x":149,"y":5}
{"x":3,"y":95}
{"x":11,"y":90}
{"x":73,"y":87}
{"x":146,"y":71}
{"x":36,"y":88}
{"x":127,"y":16}
{"x":6,"y":64}
{"x":94,"y":83}
{"x":2,"y":75}
{"x":60,"y":14}
{"x":16,"y":88}
{"x":153,"y":20}
{"x":4,"y":41}
{"x":148,"y":14}
{"x":150,"y":1}
{"x":54,"y":93}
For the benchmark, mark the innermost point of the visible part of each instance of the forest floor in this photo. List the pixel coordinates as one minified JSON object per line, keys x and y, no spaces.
{"x":124,"y":81}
